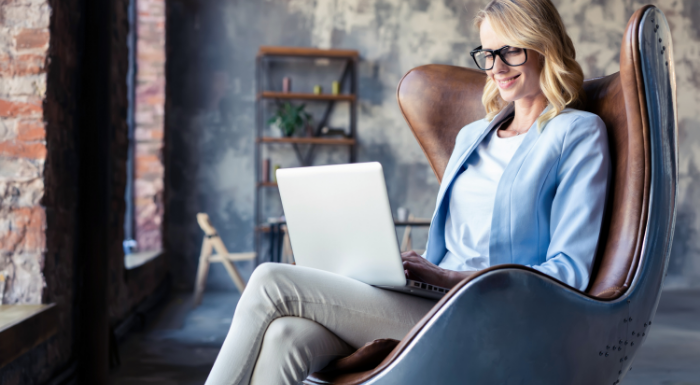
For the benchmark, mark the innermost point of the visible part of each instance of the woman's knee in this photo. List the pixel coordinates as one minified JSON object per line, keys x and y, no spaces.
{"x":268,"y":273}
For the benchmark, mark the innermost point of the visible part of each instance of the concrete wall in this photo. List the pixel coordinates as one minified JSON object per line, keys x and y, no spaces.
{"x":210,"y":101}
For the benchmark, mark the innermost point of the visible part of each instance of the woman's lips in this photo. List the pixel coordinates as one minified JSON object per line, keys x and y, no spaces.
{"x":507,"y":83}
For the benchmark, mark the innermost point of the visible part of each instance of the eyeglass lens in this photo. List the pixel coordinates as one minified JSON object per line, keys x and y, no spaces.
{"x":512,"y":56}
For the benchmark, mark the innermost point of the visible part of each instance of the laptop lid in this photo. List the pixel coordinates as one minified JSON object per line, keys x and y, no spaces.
{"x":339,"y":220}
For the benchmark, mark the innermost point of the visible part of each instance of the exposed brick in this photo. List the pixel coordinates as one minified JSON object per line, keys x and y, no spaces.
{"x":30,"y":130}
{"x":30,"y":38}
{"x":11,"y":109}
{"x":29,"y":64}
{"x":22,"y":229}
{"x":17,"y":149}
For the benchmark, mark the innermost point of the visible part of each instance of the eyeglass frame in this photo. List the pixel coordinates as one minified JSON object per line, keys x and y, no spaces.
{"x":496,"y":52}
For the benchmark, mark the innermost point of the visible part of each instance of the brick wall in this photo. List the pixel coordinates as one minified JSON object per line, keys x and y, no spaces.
{"x":24,"y":42}
{"x":150,"y":98}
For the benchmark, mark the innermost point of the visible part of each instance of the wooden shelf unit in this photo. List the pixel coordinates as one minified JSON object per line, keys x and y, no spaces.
{"x":308,"y":52}
{"x":268,"y":93}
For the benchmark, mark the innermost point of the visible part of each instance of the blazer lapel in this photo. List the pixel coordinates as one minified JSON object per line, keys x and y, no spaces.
{"x":500,"y":250}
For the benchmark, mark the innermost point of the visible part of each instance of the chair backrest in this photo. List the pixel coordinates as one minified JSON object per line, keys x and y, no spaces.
{"x":438,"y":100}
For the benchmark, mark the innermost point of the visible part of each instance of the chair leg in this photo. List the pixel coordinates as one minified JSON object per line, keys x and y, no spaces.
{"x":202,"y":272}
{"x":235,"y":276}
{"x":218,"y":245}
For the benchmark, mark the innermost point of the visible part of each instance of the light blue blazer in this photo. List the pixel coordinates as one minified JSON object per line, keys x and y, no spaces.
{"x":549,"y":202}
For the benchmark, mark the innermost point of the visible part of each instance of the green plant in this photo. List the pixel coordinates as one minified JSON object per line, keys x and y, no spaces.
{"x":288,"y":118}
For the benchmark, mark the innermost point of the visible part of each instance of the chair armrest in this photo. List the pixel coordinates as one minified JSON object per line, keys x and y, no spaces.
{"x":505,"y":323}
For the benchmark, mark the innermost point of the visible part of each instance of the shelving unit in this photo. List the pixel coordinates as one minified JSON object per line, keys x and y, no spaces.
{"x":269,"y":94}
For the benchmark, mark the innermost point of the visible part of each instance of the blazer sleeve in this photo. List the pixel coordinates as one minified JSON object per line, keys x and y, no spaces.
{"x":577,"y":207}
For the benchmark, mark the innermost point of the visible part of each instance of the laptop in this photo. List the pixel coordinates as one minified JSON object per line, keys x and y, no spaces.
{"x":339,"y":220}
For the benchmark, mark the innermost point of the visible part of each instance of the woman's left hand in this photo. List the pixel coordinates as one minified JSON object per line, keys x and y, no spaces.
{"x":420,"y":269}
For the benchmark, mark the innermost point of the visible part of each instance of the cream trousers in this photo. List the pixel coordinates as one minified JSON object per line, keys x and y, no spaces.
{"x":293,"y":320}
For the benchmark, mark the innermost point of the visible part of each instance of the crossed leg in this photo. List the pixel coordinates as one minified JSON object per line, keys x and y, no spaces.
{"x":292,"y":320}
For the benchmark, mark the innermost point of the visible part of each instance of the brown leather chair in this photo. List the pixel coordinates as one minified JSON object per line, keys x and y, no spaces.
{"x":509,"y":323}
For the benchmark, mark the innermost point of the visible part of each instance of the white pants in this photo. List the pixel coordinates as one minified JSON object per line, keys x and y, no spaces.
{"x":292,"y":321}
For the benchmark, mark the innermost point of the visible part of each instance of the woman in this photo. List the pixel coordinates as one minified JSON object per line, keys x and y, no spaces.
{"x":525,"y":185}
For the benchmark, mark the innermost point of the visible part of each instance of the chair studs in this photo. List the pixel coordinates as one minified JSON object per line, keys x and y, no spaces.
{"x":645,"y":325}
{"x":660,"y":40}
{"x":620,"y":342}
{"x":631,"y":343}
{"x":600,"y":353}
{"x":614,"y":347}
{"x":607,"y":354}
{"x":657,"y":26}
{"x":637,"y":334}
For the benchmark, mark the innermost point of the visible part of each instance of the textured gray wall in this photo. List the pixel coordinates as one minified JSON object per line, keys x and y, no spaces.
{"x":210,"y":106}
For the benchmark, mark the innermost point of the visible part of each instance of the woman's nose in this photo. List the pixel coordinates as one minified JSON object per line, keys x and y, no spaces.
{"x":499,"y":66}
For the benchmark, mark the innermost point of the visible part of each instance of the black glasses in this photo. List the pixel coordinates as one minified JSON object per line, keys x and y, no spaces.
{"x":512,"y":56}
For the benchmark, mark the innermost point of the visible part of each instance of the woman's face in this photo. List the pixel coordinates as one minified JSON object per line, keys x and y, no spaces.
{"x":514,"y":83}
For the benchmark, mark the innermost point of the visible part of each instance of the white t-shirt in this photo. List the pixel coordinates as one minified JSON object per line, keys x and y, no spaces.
{"x":468,"y":223}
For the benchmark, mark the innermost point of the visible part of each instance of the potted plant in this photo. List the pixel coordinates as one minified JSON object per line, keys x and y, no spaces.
{"x":289,"y":118}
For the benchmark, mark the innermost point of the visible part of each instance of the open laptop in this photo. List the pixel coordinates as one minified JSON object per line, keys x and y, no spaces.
{"x":339,"y":220}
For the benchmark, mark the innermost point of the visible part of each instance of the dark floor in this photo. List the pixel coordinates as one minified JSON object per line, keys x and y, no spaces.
{"x":179,"y":346}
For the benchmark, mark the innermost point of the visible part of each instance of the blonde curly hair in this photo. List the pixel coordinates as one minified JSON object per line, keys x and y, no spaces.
{"x":537,"y":26}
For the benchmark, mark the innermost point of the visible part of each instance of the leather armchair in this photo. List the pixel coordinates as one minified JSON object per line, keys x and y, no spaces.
{"x":510,"y":324}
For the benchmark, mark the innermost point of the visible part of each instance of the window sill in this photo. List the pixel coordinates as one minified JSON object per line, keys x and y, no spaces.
{"x":134,"y":260}
{"x":23,"y":327}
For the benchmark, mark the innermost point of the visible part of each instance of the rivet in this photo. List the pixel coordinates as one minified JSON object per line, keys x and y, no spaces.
{"x":657,"y":26}
{"x":620,"y":342}
{"x":631,"y":343}
{"x":607,"y":354}
{"x":614,"y":347}
{"x":650,"y":321}
{"x":630,"y":318}
{"x":645,"y":325}
{"x":600,"y":353}
{"x":666,"y":64}
{"x":659,"y":40}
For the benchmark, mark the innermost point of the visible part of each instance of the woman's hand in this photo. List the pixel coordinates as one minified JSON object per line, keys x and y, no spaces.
{"x":420,"y":269}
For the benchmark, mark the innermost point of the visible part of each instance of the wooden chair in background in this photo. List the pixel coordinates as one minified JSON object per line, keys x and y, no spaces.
{"x":212,"y":242}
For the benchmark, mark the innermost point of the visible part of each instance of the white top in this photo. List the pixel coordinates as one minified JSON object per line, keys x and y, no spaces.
{"x":468,"y":223}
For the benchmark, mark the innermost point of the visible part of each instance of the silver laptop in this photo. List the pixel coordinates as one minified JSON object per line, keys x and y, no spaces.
{"x":339,"y":220}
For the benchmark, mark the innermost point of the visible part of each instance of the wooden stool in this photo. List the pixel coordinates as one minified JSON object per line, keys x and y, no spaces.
{"x":212,"y":242}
